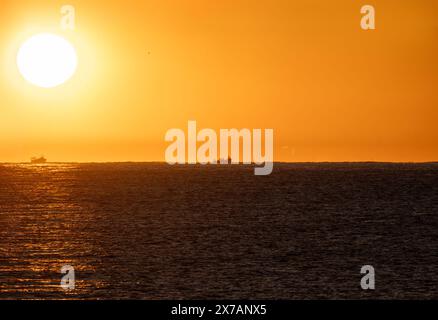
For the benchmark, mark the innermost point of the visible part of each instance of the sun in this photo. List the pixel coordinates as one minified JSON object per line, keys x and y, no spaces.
{"x":47,"y":60}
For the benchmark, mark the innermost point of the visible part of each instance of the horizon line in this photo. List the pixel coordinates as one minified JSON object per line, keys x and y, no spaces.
{"x":275,"y":162}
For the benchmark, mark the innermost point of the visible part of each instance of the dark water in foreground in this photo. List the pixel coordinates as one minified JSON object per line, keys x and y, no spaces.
{"x":154,"y":231}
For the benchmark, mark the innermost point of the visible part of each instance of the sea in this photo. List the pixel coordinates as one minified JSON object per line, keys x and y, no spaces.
{"x":155,"y":231}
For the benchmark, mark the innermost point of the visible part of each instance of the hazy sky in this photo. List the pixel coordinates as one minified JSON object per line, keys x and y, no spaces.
{"x":330,"y":91}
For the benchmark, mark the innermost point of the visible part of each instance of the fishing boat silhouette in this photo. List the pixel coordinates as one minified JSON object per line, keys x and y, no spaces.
{"x":38,"y":160}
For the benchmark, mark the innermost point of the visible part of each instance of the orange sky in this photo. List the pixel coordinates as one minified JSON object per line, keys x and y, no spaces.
{"x":330,"y":91}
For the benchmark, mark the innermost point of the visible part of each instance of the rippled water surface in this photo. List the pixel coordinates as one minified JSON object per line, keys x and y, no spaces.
{"x":153,"y":231}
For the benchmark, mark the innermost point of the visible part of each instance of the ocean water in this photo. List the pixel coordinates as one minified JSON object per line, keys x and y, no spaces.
{"x":153,"y":231}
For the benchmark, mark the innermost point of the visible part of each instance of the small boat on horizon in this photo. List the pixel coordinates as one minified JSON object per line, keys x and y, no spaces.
{"x":223,"y":160}
{"x":38,"y":160}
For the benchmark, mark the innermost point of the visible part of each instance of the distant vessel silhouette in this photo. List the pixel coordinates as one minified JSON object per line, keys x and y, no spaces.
{"x":224,"y":160}
{"x":40,"y":160}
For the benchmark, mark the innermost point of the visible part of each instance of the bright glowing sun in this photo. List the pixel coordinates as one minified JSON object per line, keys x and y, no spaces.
{"x":47,"y":60}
